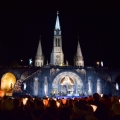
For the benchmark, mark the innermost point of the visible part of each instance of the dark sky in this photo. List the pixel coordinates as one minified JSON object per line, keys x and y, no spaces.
{"x":96,"y":24}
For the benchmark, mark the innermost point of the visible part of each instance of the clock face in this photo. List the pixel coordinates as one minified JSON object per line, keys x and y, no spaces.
{"x":57,"y":56}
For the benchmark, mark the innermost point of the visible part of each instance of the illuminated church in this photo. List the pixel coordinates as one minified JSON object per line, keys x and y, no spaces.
{"x":60,"y":79}
{"x":57,"y":55}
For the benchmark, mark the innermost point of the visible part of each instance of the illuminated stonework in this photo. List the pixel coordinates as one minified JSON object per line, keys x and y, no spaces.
{"x":67,"y":83}
{"x":35,"y":86}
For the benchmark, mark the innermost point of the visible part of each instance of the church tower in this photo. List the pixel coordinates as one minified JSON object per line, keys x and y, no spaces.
{"x":57,"y":56}
{"x":39,"y":58}
{"x":78,"y":59}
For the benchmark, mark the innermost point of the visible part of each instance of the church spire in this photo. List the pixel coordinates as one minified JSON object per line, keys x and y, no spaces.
{"x":39,"y":50}
{"x":78,"y":60}
{"x":39,"y":58}
{"x":79,"y":52}
{"x":57,"y":25}
{"x":57,"y":56}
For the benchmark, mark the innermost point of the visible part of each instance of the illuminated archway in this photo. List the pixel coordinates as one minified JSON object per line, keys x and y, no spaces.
{"x":66,"y":80}
{"x":7,"y":82}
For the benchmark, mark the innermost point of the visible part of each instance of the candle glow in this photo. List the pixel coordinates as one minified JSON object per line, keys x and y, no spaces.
{"x":94,"y":107}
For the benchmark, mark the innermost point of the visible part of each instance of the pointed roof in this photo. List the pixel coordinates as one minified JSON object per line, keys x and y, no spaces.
{"x":79,"y":52}
{"x":47,"y":62}
{"x":57,"y":25}
{"x":39,"y":50}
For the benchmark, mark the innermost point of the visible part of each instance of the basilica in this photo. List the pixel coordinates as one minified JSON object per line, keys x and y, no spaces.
{"x":57,"y":55}
{"x":57,"y":78}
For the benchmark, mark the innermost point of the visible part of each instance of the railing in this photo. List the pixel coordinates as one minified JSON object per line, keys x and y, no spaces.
{"x":32,"y":75}
{"x":17,"y":86}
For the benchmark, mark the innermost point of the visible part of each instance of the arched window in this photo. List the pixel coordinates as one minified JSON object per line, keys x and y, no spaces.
{"x":58,"y":42}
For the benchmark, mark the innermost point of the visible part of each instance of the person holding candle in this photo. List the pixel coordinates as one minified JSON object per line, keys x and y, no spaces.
{"x":116,"y":111}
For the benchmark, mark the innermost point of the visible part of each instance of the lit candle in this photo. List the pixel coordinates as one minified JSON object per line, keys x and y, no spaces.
{"x":101,"y":95}
{"x":94,"y":107}
{"x":64,"y":101}
{"x":58,"y":104}
{"x":24,"y":100}
{"x":45,"y":102}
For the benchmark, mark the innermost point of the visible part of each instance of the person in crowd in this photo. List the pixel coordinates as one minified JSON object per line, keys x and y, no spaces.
{"x":60,"y":109}
{"x":17,"y":112}
{"x":6,"y":109}
{"x":116,"y":111}
{"x":101,"y":111}
{"x":38,"y":109}
{"x":64,"y":113}
{"x":108,"y":105}
{"x":82,"y":111}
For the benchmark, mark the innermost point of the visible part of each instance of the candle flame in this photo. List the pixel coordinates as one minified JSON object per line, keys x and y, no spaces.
{"x":58,"y":104}
{"x":24,"y":100}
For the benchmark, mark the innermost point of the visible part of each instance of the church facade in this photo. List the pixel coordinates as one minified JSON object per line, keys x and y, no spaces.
{"x":59,"y":79}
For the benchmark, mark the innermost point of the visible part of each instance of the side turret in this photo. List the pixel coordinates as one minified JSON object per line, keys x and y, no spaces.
{"x":78,"y":59}
{"x":39,"y":58}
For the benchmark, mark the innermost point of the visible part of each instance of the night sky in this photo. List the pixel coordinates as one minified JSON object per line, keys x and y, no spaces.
{"x":96,"y":24}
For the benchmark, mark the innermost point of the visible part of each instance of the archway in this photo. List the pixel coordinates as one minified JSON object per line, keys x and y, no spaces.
{"x":117,"y":80}
{"x":67,"y":83}
{"x":8,"y":81}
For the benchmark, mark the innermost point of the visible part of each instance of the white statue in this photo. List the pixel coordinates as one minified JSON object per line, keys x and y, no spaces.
{"x":30,"y":61}
{"x":24,"y":86}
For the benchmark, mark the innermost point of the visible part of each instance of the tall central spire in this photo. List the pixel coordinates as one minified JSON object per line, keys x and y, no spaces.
{"x":57,"y":56}
{"x":57,"y":25}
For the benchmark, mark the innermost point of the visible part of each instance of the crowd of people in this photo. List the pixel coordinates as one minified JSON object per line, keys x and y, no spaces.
{"x":30,"y":108}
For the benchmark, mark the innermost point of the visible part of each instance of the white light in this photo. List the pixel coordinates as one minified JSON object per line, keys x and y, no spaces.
{"x":119,"y":100}
{"x":57,"y":26}
{"x":98,"y":63}
{"x":21,"y":60}
{"x":102,"y":63}
{"x":30,"y":61}
{"x":24,"y":86}
{"x":54,"y":99}
{"x":101,"y":95}
{"x":117,"y":86}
